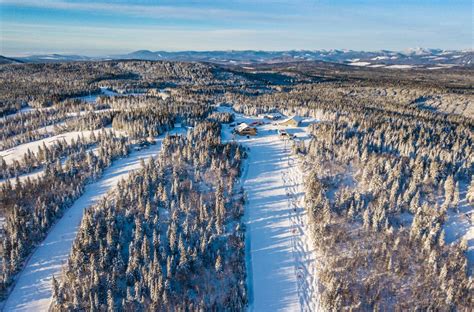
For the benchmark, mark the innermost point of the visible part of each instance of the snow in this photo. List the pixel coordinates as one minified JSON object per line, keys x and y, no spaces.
{"x":38,"y":172}
{"x":32,"y":175}
{"x":377,"y":58}
{"x":21,"y":111}
{"x":359,"y":63}
{"x":295,"y":118}
{"x":17,"y":152}
{"x":91,"y":98}
{"x":242,"y":127}
{"x":442,"y":66}
{"x":460,"y":224}
{"x":280,"y":261}
{"x":32,"y":290}
{"x":400,"y":66}
{"x":97,"y":111}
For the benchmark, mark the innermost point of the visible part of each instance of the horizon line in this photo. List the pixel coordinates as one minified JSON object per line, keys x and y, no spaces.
{"x":28,"y":54}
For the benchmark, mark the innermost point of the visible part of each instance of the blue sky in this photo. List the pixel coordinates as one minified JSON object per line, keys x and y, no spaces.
{"x":109,"y":27}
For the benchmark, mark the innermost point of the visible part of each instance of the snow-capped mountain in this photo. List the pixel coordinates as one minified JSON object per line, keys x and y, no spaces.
{"x":411,"y":58}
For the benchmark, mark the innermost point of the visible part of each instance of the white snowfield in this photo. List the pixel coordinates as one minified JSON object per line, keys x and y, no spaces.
{"x":32,"y":290}
{"x":280,"y":260}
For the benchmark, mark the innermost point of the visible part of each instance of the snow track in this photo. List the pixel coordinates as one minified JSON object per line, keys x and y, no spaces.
{"x":32,"y":290}
{"x":281,"y":269}
{"x":271,"y":256}
{"x":305,"y":269}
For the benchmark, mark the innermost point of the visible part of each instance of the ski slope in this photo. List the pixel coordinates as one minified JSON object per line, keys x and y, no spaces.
{"x":280,"y":261}
{"x":32,"y":290}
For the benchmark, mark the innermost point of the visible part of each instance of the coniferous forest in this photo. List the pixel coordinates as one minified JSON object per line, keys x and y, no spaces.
{"x":372,"y":169}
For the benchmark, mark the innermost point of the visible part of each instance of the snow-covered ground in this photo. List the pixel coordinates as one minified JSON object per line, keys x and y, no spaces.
{"x":21,"y":111}
{"x":280,"y":261}
{"x":91,"y":98}
{"x":32,"y":290}
{"x":460,"y":225}
{"x":17,"y":152}
{"x":22,"y":178}
{"x":38,"y":172}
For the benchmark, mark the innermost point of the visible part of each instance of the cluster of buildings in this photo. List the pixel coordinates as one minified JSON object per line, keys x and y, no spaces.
{"x":245,"y":129}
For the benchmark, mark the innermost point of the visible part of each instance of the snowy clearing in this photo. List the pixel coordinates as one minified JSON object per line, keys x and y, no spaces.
{"x":32,"y":290}
{"x":280,"y":261}
{"x":92,"y":98}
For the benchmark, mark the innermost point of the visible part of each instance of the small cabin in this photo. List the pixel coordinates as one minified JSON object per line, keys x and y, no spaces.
{"x":244,"y":129}
{"x":293,"y":121}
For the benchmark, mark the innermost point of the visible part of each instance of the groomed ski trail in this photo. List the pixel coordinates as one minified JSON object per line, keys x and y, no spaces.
{"x":32,"y":289}
{"x":281,"y":264}
{"x":301,"y":240}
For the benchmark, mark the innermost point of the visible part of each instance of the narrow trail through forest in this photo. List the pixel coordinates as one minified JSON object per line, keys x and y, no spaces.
{"x":32,"y":289}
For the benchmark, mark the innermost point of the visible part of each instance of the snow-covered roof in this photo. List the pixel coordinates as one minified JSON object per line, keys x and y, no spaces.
{"x":295,"y":118}
{"x":242,"y":127}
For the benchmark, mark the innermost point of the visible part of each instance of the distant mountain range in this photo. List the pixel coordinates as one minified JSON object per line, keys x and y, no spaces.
{"x":430,"y":58}
{"x":8,"y":60}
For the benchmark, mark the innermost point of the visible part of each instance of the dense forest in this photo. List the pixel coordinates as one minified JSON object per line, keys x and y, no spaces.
{"x":169,"y":238}
{"x":381,"y":188}
{"x":33,"y":206}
